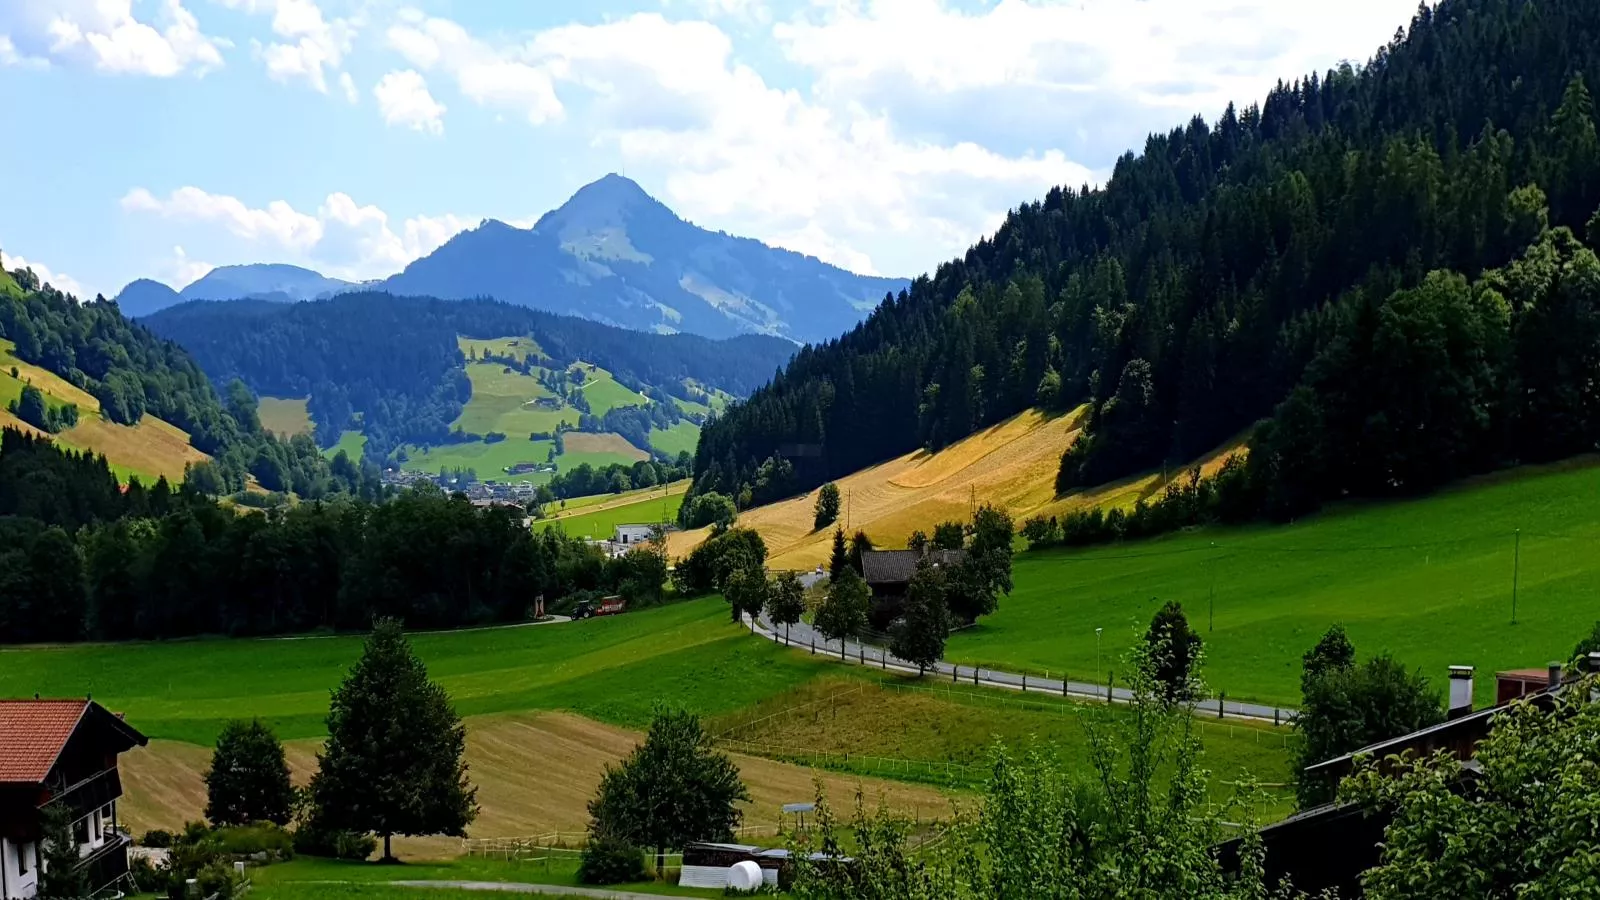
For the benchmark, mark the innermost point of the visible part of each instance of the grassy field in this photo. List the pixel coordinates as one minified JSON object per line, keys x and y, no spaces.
{"x":1012,"y":464}
{"x":1429,"y":580}
{"x":604,"y":393}
{"x":597,"y":450}
{"x":353,"y":443}
{"x":683,"y":437}
{"x":315,"y":878}
{"x":570,"y":507}
{"x":657,"y":505}
{"x":285,"y":416}
{"x":149,"y":449}
{"x":490,"y":460}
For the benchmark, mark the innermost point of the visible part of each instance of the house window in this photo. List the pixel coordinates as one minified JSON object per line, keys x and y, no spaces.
{"x":22,"y":859}
{"x":80,"y":831}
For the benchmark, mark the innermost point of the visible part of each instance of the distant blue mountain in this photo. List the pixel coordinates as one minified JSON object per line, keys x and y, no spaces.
{"x":612,"y":254}
{"x":615,"y":254}
{"x":260,"y":281}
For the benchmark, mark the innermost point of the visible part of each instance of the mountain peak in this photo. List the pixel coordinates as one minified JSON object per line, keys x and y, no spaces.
{"x":611,"y":202}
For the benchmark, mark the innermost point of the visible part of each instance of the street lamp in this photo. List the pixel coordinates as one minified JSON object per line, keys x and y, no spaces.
{"x":1097,"y":659}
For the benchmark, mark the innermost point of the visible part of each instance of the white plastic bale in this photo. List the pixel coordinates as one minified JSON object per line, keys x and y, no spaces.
{"x":744,"y":875}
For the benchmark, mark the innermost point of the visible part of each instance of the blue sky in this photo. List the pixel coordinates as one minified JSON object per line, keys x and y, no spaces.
{"x":158,"y":138}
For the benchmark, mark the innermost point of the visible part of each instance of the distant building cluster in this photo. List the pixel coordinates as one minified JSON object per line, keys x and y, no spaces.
{"x":481,"y":493}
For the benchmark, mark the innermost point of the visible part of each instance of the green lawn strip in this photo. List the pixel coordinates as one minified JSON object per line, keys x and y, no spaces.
{"x":307,"y":877}
{"x":604,"y":393}
{"x":1429,"y":581}
{"x":489,"y":460}
{"x":677,"y":487}
{"x":603,"y":523}
{"x":566,"y":462}
{"x":612,"y":669}
{"x":353,"y":443}
{"x":683,"y":437}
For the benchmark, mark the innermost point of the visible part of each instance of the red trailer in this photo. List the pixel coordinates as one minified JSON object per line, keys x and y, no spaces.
{"x":608,"y":606}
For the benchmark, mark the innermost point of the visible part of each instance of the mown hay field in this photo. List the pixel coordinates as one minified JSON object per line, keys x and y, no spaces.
{"x":285,"y":416}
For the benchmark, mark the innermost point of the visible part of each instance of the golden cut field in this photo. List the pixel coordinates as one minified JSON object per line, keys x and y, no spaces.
{"x":148,"y":449}
{"x":535,"y":772}
{"x":1011,"y":465}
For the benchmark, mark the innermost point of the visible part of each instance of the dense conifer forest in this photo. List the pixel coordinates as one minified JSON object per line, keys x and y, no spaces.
{"x":1317,"y":259}
{"x":392,"y":366}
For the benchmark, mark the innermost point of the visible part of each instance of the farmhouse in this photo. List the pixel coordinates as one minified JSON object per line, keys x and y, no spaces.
{"x":1329,"y":846}
{"x":888,"y":573}
{"x":61,"y":753}
{"x":629,"y":535}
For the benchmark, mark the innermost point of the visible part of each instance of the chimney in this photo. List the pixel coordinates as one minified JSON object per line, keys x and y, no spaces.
{"x":1460,"y":691}
{"x":1555,"y":674}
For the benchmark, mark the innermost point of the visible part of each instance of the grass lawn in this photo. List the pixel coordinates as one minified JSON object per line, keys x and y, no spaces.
{"x":874,"y":728}
{"x":504,"y":401}
{"x":307,"y":877}
{"x":604,"y":393}
{"x":657,"y":506}
{"x":612,"y":669}
{"x":285,"y":415}
{"x":490,"y":460}
{"x":1429,"y":581}
{"x":353,"y":443}
{"x":683,"y":437}
{"x":519,"y":347}
{"x":621,"y":499}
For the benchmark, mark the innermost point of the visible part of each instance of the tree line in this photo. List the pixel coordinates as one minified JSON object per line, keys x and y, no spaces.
{"x":1233,"y":263}
{"x":390,"y":366}
{"x":81,"y":557}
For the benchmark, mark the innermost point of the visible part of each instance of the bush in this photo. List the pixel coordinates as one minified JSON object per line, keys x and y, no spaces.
{"x":261,"y":838}
{"x":156,"y":837}
{"x":312,"y":839}
{"x":608,"y":860}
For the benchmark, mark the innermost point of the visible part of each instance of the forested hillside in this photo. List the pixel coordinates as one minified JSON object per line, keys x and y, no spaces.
{"x":1287,"y":244}
{"x":394,"y":362}
{"x":130,"y":373}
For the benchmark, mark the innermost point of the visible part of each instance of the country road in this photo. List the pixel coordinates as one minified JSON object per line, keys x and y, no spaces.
{"x":802,"y":636}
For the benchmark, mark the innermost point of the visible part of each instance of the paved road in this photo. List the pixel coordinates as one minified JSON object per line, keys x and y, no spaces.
{"x":804,"y":636}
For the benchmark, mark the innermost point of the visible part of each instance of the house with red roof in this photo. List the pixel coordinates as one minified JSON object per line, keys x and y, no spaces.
{"x":61,"y":752}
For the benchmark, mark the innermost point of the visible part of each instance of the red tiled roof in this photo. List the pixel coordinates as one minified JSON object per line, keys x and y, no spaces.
{"x":32,"y":735}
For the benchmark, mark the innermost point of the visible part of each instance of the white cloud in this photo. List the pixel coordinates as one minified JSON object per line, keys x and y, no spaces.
{"x":183,"y":271}
{"x":484,"y":74}
{"x":61,"y":280}
{"x":403,"y":99}
{"x":348,"y":85}
{"x":106,"y":35}
{"x":278,"y":222}
{"x":342,"y":238}
{"x":1030,"y":74}
{"x":309,"y":44}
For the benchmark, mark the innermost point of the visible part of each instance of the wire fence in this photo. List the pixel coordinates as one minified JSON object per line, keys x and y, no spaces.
{"x":563,"y":844}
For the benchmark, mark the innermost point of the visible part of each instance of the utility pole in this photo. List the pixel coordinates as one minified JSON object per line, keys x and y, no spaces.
{"x":1516,"y":570}
{"x":1211,"y":598}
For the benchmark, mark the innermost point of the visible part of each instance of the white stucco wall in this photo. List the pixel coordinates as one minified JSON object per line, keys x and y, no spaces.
{"x":18,"y":886}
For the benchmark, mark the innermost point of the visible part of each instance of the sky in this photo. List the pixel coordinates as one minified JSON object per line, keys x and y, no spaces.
{"x":160,"y":138}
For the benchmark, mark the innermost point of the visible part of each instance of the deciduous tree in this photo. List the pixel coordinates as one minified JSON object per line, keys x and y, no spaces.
{"x":843,"y":612}
{"x":1174,"y":651}
{"x":248,"y":779}
{"x":918,"y":635}
{"x":787,"y":600}
{"x":673,"y":788}
{"x":827,"y":510}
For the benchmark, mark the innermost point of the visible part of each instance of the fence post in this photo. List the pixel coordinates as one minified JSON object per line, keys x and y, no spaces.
{"x":1063,"y":685}
{"x":1222,"y":698}
{"x":1024,"y":682}
{"x":813,"y":645}
{"x":1111,"y":679}
{"x":1275,"y":712}
{"x":954,"y":673}
{"x":883,"y":660}
{"x":863,"y":650}
{"x":974,"y":674}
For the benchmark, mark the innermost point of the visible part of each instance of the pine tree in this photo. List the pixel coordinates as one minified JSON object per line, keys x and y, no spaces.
{"x":393,"y":761}
{"x":919,"y":634}
{"x":839,"y":559}
{"x":248,"y":780}
{"x":61,"y":875}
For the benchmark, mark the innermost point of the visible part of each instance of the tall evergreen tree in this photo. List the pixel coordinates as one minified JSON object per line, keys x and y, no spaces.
{"x":393,"y":762}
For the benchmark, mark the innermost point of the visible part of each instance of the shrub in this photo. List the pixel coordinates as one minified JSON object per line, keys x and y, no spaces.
{"x":312,"y":839}
{"x":156,"y":837}
{"x":608,"y":860}
{"x":261,"y":838}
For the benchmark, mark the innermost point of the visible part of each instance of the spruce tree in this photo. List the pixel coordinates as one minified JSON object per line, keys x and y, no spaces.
{"x":248,"y":780}
{"x":839,"y":559}
{"x":61,"y":876}
{"x":919,"y":634}
{"x":393,"y":761}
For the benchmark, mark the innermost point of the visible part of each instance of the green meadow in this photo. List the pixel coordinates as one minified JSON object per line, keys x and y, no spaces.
{"x":1430,"y":581}
{"x":657,"y":506}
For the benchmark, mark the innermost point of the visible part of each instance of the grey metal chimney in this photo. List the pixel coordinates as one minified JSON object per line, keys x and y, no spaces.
{"x":1555,"y":674}
{"x":1460,"y":691}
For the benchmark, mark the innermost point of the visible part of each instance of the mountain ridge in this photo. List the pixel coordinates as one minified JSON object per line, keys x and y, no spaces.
{"x":611,"y":253}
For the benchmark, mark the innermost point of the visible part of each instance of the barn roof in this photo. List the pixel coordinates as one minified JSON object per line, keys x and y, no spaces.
{"x":34,"y":732}
{"x":897,"y":566}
